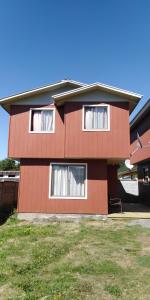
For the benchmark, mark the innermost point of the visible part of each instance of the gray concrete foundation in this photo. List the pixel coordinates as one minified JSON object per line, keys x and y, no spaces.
{"x":54,"y":217}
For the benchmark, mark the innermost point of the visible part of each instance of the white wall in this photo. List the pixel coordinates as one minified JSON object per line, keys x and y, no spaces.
{"x":130,"y":187}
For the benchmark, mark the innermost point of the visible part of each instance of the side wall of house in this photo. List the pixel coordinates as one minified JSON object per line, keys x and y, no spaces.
{"x":34,"y":189}
{"x":143,"y":128}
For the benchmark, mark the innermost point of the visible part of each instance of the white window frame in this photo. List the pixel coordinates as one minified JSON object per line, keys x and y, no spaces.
{"x":64,"y":197}
{"x":95,"y":105}
{"x":41,"y":108}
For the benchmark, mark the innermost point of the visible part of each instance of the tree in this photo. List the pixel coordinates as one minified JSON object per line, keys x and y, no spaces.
{"x":9,"y":164}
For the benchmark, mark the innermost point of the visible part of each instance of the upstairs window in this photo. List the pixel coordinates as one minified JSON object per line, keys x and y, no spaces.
{"x":96,"y":117}
{"x":42,"y":120}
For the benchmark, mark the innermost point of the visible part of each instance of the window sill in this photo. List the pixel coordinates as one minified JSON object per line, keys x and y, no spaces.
{"x":41,"y":132}
{"x":68,"y":198}
{"x":91,"y":130}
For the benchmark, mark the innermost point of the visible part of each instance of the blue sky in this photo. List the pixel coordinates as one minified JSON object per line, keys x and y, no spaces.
{"x":96,"y":40}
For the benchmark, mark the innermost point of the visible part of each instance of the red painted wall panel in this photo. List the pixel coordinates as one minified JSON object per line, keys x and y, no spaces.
{"x":25,"y":144}
{"x":34,"y":189}
{"x":69,"y":141}
{"x":109,"y":144}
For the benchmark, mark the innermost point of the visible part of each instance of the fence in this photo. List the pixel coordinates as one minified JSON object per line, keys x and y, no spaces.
{"x":9,"y":175}
{"x":8,"y":194}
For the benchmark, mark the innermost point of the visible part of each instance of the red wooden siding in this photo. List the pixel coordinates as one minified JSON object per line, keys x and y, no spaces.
{"x":143,"y":128}
{"x":34,"y":189}
{"x":69,"y":141}
{"x":25,"y":144}
{"x":94,"y":144}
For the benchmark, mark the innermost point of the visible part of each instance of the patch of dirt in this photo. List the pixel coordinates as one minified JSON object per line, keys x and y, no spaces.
{"x":19,"y":259}
{"x":71,"y":226}
{"x":145,"y":244}
{"x":108,"y":223}
{"x":7,"y":292}
{"x":123,"y":261}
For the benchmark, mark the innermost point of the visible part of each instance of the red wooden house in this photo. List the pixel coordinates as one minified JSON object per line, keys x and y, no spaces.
{"x":69,"y":138}
{"x":140,"y":150}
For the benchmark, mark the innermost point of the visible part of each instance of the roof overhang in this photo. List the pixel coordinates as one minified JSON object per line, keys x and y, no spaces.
{"x":140,"y":115}
{"x":5,"y":102}
{"x":79,"y":89}
{"x":130,"y":96}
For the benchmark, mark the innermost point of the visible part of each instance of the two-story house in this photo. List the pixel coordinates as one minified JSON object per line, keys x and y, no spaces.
{"x":140,"y":150}
{"x":69,"y":137}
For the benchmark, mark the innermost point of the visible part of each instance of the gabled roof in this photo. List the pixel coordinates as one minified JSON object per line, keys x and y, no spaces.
{"x":131,"y":97}
{"x":140,"y":115}
{"x":78,"y":88}
{"x":36,"y":91}
{"x":102,"y":87}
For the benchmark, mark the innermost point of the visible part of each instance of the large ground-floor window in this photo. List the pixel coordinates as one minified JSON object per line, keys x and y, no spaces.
{"x":68,"y":180}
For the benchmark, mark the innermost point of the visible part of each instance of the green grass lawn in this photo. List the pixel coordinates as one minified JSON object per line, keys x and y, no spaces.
{"x":68,"y":260}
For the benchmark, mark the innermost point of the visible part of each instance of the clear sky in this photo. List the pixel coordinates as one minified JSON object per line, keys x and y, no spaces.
{"x":43,"y":41}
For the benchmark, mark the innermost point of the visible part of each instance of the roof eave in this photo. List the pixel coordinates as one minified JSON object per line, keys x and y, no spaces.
{"x":94,"y":86}
{"x":39,"y":90}
{"x":140,"y":114}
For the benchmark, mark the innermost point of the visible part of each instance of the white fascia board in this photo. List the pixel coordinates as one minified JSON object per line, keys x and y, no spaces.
{"x":74,"y":82}
{"x":38,"y":90}
{"x":96,"y":85}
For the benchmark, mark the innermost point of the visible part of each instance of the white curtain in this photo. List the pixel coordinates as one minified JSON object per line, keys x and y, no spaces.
{"x":43,"y":120}
{"x":68,"y":181}
{"x":96,"y":118}
{"x":88,"y":118}
{"x":36,"y":120}
{"x":59,"y":180}
{"x":76,"y":178}
{"x":47,"y":120}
